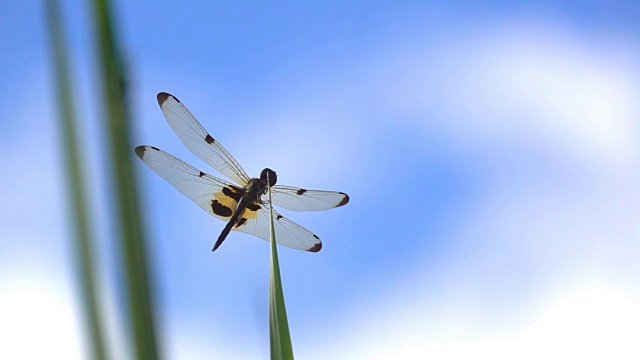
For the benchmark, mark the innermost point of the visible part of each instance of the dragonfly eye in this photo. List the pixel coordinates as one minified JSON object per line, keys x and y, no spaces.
{"x":273,"y":178}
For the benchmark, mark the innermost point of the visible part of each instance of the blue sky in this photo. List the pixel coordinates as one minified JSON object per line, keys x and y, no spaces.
{"x":491,"y":152}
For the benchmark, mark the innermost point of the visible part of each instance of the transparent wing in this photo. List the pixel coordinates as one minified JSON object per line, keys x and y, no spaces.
{"x":217,"y":197}
{"x":292,"y":198}
{"x":255,"y":221}
{"x":198,"y":140}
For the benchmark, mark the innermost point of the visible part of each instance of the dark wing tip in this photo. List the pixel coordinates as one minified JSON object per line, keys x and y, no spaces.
{"x":344,"y":201}
{"x":316,"y":247}
{"x":140,"y":151}
{"x":163,"y":96}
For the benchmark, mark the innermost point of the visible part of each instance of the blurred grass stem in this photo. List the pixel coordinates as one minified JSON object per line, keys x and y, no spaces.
{"x":83,"y":246}
{"x":132,"y":241}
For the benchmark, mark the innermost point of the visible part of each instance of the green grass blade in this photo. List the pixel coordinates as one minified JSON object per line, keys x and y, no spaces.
{"x":279,"y":335}
{"x":132,"y":244}
{"x":83,"y":246}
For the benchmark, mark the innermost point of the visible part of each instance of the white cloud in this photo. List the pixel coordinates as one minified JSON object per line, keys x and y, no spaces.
{"x":194,"y":341}
{"x":590,"y":320}
{"x":521,"y":81}
{"x":39,"y":319}
{"x":577,"y":94}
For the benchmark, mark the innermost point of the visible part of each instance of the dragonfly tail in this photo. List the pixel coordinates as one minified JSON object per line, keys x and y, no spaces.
{"x":223,"y":235}
{"x":234,"y":219}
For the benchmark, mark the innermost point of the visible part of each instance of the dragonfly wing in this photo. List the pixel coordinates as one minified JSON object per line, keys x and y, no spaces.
{"x":198,"y":140}
{"x":297,"y":199}
{"x":255,"y":221}
{"x":217,"y":197}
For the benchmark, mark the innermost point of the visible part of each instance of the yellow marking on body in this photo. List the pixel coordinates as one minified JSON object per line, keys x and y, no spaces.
{"x":250,"y":214}
{"x":225,"y":200}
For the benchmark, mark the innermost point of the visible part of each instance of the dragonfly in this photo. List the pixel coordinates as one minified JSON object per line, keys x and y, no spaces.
{"x":243,"y":204}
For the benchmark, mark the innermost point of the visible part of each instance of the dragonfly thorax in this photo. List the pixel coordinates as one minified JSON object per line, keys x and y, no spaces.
{"x":254,"y":189}
{"x":258,"y":186}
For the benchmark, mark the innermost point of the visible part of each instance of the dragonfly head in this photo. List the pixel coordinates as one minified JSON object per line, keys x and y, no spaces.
{"x":272,"y":176}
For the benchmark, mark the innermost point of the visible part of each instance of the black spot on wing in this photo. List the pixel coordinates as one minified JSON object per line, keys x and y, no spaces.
{"x":232,"y":193}
{"x":201,"y":174}
{"x":209,"y":139}
{"x":279,"y":217}
{"x":345,"y":200}
{"x":253,"y":206}
{"x":301,"y":191}
{"x":154,"y":148}
{"x":241,"y":222}
{"x":219,"y":209}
